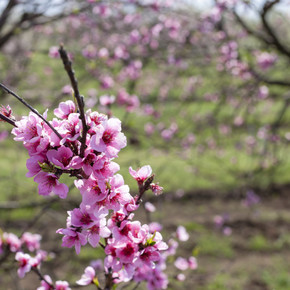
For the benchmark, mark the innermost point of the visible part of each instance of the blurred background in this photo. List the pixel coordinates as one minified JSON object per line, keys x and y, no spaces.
{"x":202,"y":90}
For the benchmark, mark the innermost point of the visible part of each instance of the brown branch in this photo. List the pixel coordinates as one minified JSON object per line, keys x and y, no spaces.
{"x":144,"y":187}
{"x":280,"y":115}
{"x":6,"y":12}
{"x":8,"y":120}
{"x":249,"y":30}
{"x":268,"y":81}
{"x":79,"y":173}
{"x":31,"y":108}
{"x":109,"y":281}
{"x":29,"y":20}
{"x":275,"y":41}
{"x":41,"y":277}
{"x":68,"y":67}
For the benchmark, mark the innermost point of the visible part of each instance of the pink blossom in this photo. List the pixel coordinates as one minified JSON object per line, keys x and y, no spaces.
{"x":219,"y":221}
{"x":192,"y":263}
{"x":149,"y":128}
{"x":24,"y":263}
{"x":72,"y":238}
{"x":99,"y":229}
{"x":97,"y":264}
{"x":29,"y":129}
{"x":61,"y":157}
{"x":265,"y":60}
{"x":65,"y":109}
{"x":89,"y":162}
{"x":106,"y":82}
{"x":109,"y":139}
{"x":103,"y":53}
{"x":88,"y":277}
{"x":81,"y":218}
{"x":7,"y":112}
{"x":90,"y":51}
{"x":33,"y":165}
{"x":94,"y":120}
{"x":44,"y":285}
{"x":36,"y":261}
{"x":62,"y":285}
{"x":106,"y":169}
{"x":53,"y":52}
{"x":182,"y":234}
{"x":66,"y":90}
{"x":32,"y":241}
{"x":119,"y":192}
{"x":141,"y":174}
{"x":155,"y":227}
{"x":251,"y":198}
{"x":156,"y":189}
{"x":149,"y":206}
{"x":92,"y":189}
{"x":167,"y":134}
{"x":70,"y":128}
{"x":180,"y":277}
{"x":126,"y":252}
{"x":106,"y":100}
{"x":148,"y":256}
{"x":48,"y":182}
{"x":12,"y":241}
{"x":227,"y":231}
{"x":181,"y":264}
{"x":263,"y":92}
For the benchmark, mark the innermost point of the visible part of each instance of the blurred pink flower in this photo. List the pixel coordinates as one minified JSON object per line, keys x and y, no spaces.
{"x":149,"y":206}
{"x":181,"y":264}
{"x":182,"y":234}
{"x":88,"y":277}
{"x":53,"y":52}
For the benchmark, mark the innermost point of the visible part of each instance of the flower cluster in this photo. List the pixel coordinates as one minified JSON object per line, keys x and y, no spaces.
{"x":106,"y":209}
{"x":9,"y":242}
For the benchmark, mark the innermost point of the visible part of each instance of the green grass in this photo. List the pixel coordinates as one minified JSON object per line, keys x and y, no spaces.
{"x":279,"y":279}
{"x":214,"y":245}
{"x":259,"y":243}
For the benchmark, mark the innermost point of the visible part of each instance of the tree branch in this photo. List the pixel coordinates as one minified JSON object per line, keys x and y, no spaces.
{"x":275,"y":41}
{"x":68,"y":67}
{"x":8,"y":120}
{"x":41,"y":277}
{"x":31,"y":108}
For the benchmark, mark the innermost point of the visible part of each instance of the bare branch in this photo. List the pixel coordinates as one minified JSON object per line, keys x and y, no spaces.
{"x":68,"y":67}
{"x":41,"y":277}
{"x":30,"y":107}
{"x":249,"y":30}
{"x":268,"y":81}
{"x":275,"y":41}
{"x":8,"y":120}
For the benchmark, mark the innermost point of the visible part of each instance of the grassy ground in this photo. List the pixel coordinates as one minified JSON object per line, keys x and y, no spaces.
{"x":255,"y":256}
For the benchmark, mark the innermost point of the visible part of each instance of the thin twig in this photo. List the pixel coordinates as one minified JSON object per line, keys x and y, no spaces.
{"x":8,"y":120}
{"x":41,"y":277}
{"x":30,"y":108}
{"x":144,"y":187}
{"x":68,"y":67}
